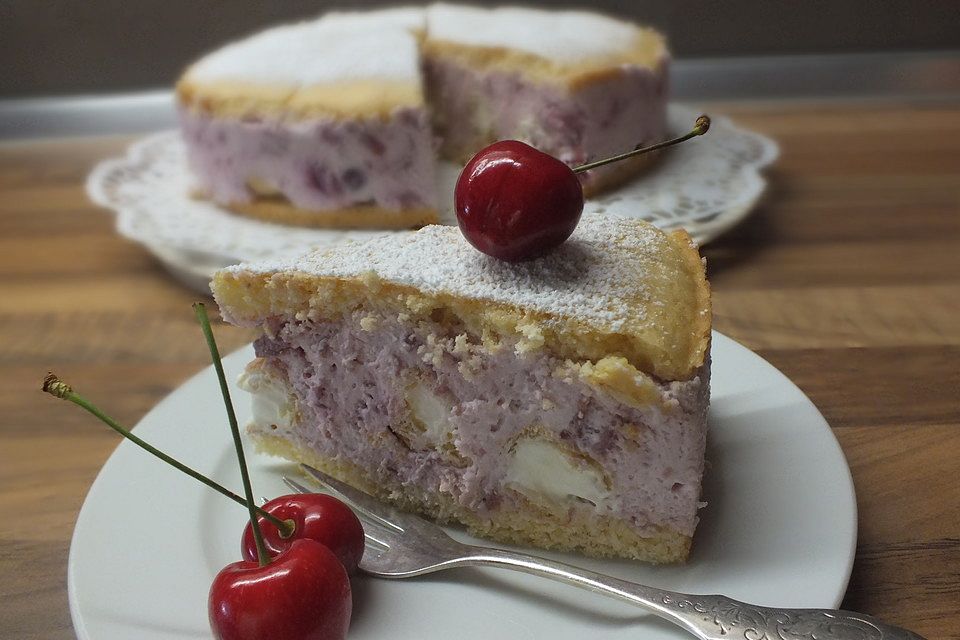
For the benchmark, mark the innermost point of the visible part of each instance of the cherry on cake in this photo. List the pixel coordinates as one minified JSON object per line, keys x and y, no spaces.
{"x":559,"y":402}
{"x":340,"y":121}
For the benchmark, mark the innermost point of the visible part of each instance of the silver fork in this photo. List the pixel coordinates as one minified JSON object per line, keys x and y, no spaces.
{"x":402,"y":545}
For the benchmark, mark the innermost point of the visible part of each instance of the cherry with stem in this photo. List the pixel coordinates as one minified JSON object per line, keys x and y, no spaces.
{"x":200,"y":310}
{"x":60,"y":389}
{"x":302,"y":594}
{"x":516,"y":203}
{"x":700,"y":127}
{"x":283,"y":520}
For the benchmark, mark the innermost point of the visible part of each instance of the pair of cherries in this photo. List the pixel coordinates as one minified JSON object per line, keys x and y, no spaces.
{"x":298,"y":550}
{"x":303,"y":593}
{"x":516,"y":203}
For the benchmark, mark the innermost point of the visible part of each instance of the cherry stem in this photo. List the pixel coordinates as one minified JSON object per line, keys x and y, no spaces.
{"x":701,"y":127}
{"x":60,"y":389}
{"x":201,"y":312}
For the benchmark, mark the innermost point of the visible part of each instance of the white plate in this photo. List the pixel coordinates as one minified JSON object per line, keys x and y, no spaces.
{"x":779,"y":529}
{"x":705,"y":186}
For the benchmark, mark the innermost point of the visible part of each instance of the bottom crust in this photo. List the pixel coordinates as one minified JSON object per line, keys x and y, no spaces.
{"x":277,"y":209}
{"x":596,"y":536}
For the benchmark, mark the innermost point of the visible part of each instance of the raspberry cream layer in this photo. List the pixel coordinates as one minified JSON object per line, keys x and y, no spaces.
{"x":579,"y":86}
{"x":321,"y":123}
{"x":560,"y":403}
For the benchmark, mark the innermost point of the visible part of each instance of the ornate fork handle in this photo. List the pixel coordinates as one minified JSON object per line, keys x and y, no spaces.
{"x":707,"y":617}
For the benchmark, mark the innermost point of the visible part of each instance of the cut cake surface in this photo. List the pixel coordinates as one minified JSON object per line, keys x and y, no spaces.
{"x":559,"y":403}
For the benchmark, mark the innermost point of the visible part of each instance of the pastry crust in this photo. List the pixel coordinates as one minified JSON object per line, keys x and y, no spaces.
{"x":648,"y":49}
{"x":310,"y":70}
{"x":229,"y":92}
{"x":342,"y":100}
{"x":279,"y":209}
{"x":619,"y":287}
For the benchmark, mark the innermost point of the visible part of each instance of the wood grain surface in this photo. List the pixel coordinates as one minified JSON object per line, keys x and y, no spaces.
{"x":847,"y":278}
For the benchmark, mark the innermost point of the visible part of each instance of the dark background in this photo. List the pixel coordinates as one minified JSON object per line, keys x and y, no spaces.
{"x":54,"y":47}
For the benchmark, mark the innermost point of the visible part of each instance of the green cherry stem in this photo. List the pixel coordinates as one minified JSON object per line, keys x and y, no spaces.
{"x":701,"y":127}
{"x":201,"y":312}
{"x":60,"y":389}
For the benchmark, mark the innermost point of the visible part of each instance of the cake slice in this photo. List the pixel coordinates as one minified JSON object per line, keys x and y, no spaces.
{"x":321,"y":123}
{"x":577,"y":85}
{"x":559,"y":403}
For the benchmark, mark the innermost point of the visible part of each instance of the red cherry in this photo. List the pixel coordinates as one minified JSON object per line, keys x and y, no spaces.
{"x":303,"y":594}
{"x":515,"y":203}
{"x":316,"y":516}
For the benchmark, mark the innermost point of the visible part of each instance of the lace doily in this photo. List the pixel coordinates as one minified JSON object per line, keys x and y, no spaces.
{"x":705,"y":186}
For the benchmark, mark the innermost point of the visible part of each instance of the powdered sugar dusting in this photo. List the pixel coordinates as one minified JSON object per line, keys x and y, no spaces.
{"x":565,"y":36}
{"x":599,"y":276}
{"x":339,"y":46}
{"x":382,"y":44}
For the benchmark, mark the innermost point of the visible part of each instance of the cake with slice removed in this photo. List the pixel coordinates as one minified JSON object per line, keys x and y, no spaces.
{"x":334,"y":122}
{"x":559,"y":403}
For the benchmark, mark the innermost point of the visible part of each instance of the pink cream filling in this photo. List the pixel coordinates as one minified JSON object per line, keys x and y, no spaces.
{"x":320,"y":164}
{"x":603,"y":119}
{"x":351,"y":383}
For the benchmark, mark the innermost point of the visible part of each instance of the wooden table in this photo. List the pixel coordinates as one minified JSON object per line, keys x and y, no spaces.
{"x":847,"y":278}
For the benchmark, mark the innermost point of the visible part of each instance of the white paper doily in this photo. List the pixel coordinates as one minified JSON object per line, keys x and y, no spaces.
{"x":705,"y":186}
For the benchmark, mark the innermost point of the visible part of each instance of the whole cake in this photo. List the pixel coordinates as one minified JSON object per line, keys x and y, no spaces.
{"x":335,"y":122}
{"x":559,"y":402}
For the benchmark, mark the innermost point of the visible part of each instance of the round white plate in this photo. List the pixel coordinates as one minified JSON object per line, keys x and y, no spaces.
{"x":705,"y":186}
{"x":779,"y":529}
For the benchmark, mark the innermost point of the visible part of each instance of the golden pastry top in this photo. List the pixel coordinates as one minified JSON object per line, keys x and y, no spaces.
{"x":341,"y":65}
{"x":367,"y":64}
{"x":572,"y":48}
{"x":345,"y":99}
{"x":618,"y":288}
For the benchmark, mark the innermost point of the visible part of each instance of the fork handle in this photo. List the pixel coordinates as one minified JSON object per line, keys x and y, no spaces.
{"x":711,"y":617}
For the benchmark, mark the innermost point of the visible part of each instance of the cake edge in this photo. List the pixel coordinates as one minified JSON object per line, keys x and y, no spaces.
{"x":344,"y":100}
{"x":649,"y":51}
{"x":279,"y":209}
